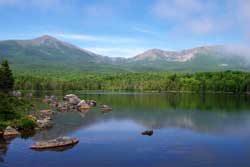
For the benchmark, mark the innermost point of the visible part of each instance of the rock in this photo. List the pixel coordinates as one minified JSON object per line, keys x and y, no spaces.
{"x":46,"y":112}
{"x":44,"y":123}
{"x":10,"y":132}
{"x":51,"y":99}
{"x":105,"y":108}
{"x":1,"y":132}
{"x":58,"y":142}
{"x":148,"y":132}
{"x":81,"y":102}
{"x":83,"y":106}
{"x":62,"y":107}
{"x":32,"y":117}
{"x":92,"y":103}
{"x":29,"y":95}
{"x":72,"y":99}
{"x":17,"y":93}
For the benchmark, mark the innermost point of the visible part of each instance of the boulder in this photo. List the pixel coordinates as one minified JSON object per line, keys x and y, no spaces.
{"x":44,"y":123}
{"x":9,"y":132}
{"x":84,"y":107}
{"x":63,"y":107}
{"x":58,"y":142}
{"x":92,"y":103}
{"x":72,"y":99}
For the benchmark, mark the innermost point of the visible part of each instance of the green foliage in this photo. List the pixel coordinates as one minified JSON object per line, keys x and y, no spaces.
{"x":26,"y":123}
{"x":7,"y":107}
{"x":228,"y":81}
{"x":6,"y":78}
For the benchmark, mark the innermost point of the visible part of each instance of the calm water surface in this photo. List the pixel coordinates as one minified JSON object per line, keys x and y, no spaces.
{"x":189,"y":130}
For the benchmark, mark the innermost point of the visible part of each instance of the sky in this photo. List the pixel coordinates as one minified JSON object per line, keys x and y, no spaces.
{"x":125,"y":28}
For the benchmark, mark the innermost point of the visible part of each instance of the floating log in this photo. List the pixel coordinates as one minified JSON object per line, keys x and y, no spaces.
{"x":55,"y":143}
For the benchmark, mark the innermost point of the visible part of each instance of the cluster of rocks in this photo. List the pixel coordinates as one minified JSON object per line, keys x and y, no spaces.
{"x":71,"y":102}
{"x":19,"y":94}
{"x":43,"y":118}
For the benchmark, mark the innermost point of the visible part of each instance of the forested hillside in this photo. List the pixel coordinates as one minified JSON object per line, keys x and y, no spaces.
{"x":229,"y":81}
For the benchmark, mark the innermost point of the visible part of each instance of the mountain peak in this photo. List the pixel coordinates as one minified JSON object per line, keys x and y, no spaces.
{"x":46,"y":38}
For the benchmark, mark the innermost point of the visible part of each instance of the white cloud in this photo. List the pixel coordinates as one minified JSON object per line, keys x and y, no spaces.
{"x":95,"y":38}
{"x":201,"y":26}
{"x":244,"y":16}
{"x":143,"y":30}
{"x":176,"y":9}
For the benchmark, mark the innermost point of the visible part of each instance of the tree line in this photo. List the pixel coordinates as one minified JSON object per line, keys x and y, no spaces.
{"x":227,"y":81}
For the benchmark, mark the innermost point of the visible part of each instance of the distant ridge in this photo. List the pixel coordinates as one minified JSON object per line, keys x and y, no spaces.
{"x":48,"y":53}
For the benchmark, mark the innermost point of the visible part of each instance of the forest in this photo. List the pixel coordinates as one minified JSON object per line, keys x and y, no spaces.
{"x":221,"y":82}
{"x":13,"y":110}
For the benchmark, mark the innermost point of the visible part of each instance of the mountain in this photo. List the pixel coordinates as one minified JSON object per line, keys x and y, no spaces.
{"x":206,"y":58}
{"x":48,"y":53}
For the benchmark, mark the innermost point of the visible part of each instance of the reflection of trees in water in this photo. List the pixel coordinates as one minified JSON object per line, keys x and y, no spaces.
{"x":209,"y":102}
{"x":3,"y":148}
{"x":203,"y":114}
{"x":201,"y":122}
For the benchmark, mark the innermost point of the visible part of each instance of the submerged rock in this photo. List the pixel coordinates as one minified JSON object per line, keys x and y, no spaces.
{"x":148,"y":132}
{"x":105,"y":108}
{"x":10,"y":132}
{"x":58,"y":142}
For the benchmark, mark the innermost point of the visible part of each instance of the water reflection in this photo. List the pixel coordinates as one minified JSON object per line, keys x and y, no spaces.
{"x":212,"y":114}
{"x":189,"y":130}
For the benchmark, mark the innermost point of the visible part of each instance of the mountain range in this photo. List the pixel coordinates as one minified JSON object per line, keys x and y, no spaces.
{"x":49,"y":53}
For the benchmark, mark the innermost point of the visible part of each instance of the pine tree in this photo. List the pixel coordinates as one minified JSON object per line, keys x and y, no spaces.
{"x":6,"y":77}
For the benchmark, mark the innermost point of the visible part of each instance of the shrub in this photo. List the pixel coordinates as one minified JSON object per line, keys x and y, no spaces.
{"x":26,"y":124}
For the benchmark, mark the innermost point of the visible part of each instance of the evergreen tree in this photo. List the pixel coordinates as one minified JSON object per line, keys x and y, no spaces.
{"x":6,"y":78}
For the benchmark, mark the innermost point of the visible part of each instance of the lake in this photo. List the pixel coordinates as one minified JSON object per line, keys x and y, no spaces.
{"x":189,"y":130}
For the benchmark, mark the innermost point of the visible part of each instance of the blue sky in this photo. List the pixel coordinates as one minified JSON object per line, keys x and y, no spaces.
{"x":128,"y":27}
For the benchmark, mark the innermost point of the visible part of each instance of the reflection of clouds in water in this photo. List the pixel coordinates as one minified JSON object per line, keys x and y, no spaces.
{"x":137,"y":112}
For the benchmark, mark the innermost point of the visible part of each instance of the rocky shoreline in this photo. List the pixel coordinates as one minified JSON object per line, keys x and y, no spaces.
{"x":44,"y":118}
